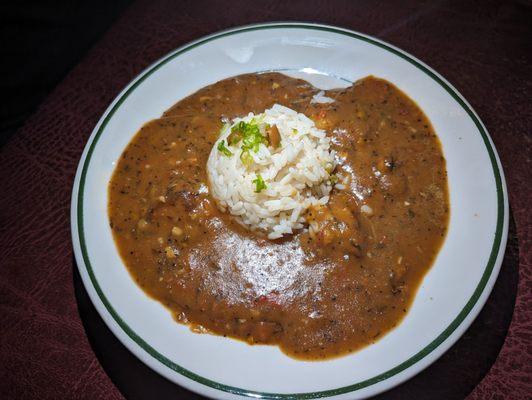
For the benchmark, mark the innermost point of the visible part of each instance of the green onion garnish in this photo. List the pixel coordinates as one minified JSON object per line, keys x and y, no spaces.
{"x":224,"y":150}
{"x":249,"y":134}
{"x":246,"y":158}
{"x":259,"y":184}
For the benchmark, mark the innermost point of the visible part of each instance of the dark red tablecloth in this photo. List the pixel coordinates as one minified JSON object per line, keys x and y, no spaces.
{"x":52,"y":343}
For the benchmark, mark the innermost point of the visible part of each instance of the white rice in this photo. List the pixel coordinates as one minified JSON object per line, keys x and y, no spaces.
{"x":296,"y":174}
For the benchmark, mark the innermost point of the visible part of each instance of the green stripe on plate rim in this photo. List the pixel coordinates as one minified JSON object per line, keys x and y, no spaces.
{"x":332,"y":392}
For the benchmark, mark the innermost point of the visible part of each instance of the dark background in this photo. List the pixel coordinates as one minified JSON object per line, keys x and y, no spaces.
{"x":63,"y":62}
{"x":41,"y":41}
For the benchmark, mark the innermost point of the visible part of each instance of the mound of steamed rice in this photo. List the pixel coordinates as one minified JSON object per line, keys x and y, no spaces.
{"x":296,"y":173}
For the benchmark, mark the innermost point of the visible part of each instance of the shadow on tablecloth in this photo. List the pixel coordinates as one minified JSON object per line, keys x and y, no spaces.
{"x":453,"y":376}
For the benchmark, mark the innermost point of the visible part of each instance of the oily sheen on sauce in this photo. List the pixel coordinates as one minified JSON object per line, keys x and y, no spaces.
{"x":315,"y":297}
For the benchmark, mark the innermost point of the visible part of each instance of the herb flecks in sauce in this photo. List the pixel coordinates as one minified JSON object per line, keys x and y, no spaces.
{"x":326,"y":292}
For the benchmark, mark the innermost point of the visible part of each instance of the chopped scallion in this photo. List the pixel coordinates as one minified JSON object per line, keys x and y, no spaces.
{"x":259,"y":184}
{"x":224,"y":150}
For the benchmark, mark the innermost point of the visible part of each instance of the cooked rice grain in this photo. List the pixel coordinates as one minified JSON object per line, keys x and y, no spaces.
{"x":296,"y":174}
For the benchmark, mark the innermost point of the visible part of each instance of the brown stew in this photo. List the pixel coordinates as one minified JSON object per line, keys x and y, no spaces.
{"x":316,"y":297}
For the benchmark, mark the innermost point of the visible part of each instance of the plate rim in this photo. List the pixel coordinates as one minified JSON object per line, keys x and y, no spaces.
{"x":442,"y":342}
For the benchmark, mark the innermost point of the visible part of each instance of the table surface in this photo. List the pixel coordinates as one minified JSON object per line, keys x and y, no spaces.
{"x":53,"y":344}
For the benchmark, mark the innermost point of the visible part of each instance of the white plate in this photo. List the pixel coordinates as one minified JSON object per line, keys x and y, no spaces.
{"x":450,"y":297}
